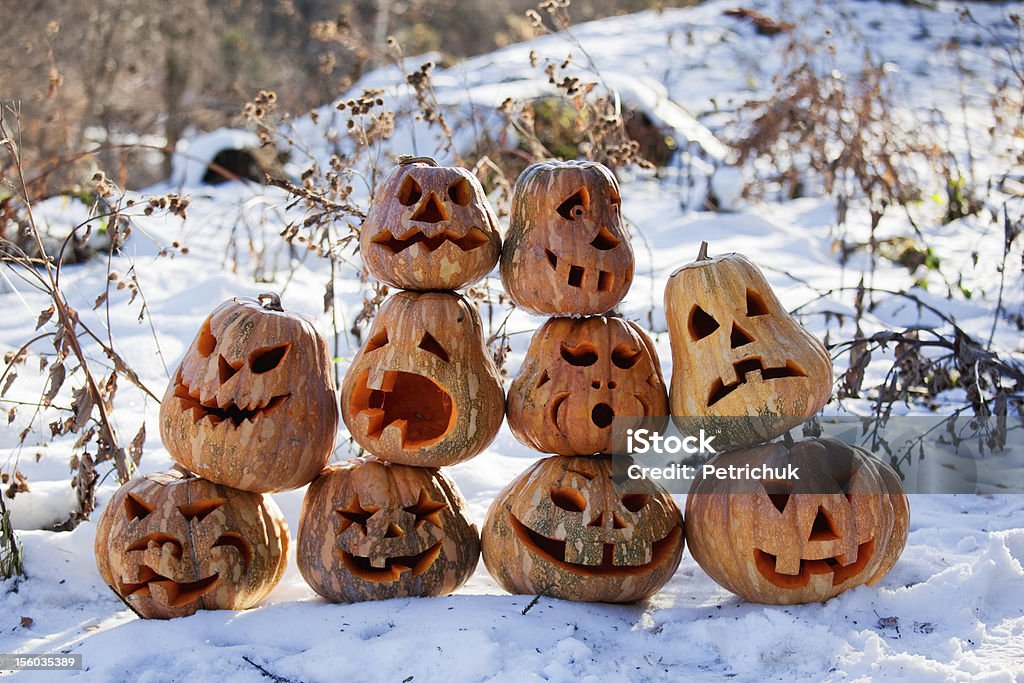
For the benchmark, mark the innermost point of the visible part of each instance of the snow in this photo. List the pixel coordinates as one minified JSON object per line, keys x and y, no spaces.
{"x":952,"y":608}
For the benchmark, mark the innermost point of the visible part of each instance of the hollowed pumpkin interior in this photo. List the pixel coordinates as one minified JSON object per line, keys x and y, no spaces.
{"x":720,"y":390}
{"x":418,"y":406}
{"x":393,"y":567}
{"x":474,"y":238}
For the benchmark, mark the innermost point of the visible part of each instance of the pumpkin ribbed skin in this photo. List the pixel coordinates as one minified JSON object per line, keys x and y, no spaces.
{"x":578,"y":375}
{"x":423,"y":390}
{"x":430,"y":227}
{"x":372,"y":530}
{"x":843,"y":523}
{"x":737,"y":353}
{"x":169,"y":545}
{"x":252,"y":404}
{"x":561,"y":529}
{"x":566,"y":251}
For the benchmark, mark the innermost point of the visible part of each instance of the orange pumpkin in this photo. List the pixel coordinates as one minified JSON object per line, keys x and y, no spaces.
{"x":742,"y":367}
{"x":372,"y":530}
{"x":169,"y":544}
{"x":429,"y":227}
{"x":423,"y":390}
{"x":253,"y":404}
{"x":566,"y":252}
{"x":578,"y":375}
{"x":561,"y":529}
{"x":843,"y":523}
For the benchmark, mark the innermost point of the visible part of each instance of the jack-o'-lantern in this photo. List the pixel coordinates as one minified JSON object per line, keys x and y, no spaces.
{"x":373,"y":530}
{"x":423,"y":390}
{"x":429,"y":227}
{"x":580,"y":374}
{"x":566,"y":252}
{"x":253,"y":403}
{"x":169,"y":544}
{"x":737,"y":353}
{"x":840,"y":524}
{"x":561,"y":529}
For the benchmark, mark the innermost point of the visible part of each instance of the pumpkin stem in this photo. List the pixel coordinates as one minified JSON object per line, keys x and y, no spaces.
{"x":407,"y":159}
{"x":787,"y":438}
{"x":702,"y":255}
{"x":270,"y":301}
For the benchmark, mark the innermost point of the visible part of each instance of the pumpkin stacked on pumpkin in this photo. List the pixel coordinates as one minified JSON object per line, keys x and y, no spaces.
{"x":251,"y":409}
{"x":561,"y":528}
{"x":422,"y":393}
{"x":746,"y":371}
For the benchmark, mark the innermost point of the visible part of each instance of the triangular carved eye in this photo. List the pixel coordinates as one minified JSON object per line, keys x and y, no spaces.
{"x":701,"y":323}
{"x":755,"y":304}
{"x":460,"y":192}
{"x":356,"y":513}
{"x":205,"y":342}
{"x":376,"y":341}
{"x":778,"y":491}
{"x":135,"y":507}
{"x":410,"y":192}
{"x":576,"y":206}
{"x":426,"y":510}
{"x":431,"y":345}
{"x":266,"y":359}
{"x":201,"y":509}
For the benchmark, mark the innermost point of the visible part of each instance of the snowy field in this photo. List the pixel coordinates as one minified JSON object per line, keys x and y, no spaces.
{"x":951,"y":609}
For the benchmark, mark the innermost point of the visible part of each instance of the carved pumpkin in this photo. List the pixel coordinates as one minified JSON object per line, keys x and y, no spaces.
{"x":430,"y":227}
{"x":253,"y":403}
{"x":170,"y":544}
{"x":372,"y":530}
{"x":843,"y":523}
{"x":580,"y":374}
{"x":737,"y":353}
{"x":561,"y":529}
{"x":423,"y":390}
{"x":566,"y":252}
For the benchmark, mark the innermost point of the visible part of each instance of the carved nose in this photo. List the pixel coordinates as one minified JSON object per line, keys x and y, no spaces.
{"x":430,"y":210}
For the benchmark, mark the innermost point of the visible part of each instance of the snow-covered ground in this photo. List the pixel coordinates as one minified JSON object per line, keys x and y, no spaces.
{"x":952,"y":608}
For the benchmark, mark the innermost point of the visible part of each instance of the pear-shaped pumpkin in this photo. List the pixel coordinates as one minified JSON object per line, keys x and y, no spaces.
{"x":429,"y":227}
{"x":840,"y":524}
{"x":742,"y":367}
{"x":253,"y":403}
{"x":372,"y":530}
{"x":567,"y":252}
{"x":562,"y":529}
{"x":578,"y":376}
{"x":423,"y":391}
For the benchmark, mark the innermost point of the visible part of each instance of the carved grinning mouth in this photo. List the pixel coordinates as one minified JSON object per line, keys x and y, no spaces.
{"x":553,"y":551}
{"x":421,"y":409}
{"x":473,"y":239}
{"x":745,"y":370}
{"x":232,"y":415}
{"x":576,"y":276}
{"x":393,"y":567}
{"x":175,"y":593}
{"x":766,"y":563}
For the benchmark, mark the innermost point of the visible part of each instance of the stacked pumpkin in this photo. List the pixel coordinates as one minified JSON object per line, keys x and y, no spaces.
{"x":422,"y":393}
{"x":251,"y":409}
{"x":747,"y":372}
{"x":561,"y":528}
